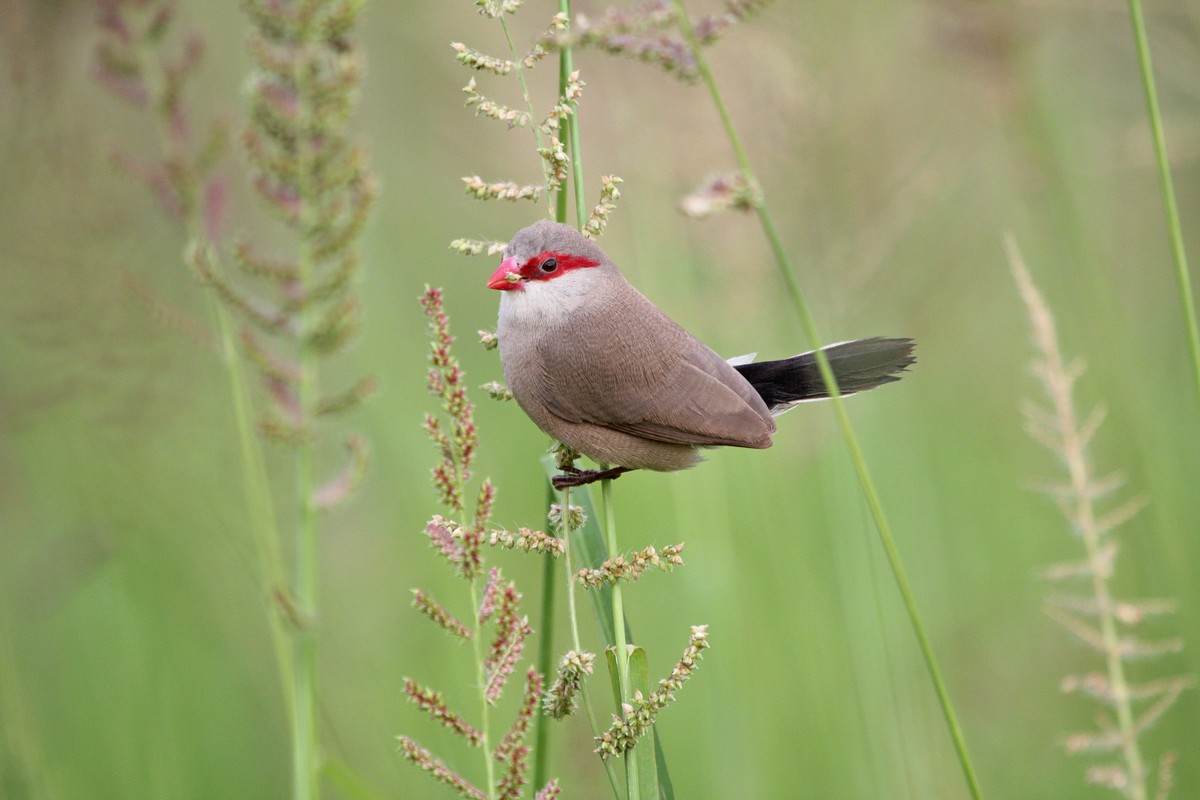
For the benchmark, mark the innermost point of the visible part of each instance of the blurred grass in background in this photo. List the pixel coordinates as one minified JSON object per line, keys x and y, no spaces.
{"x":897,"y":140}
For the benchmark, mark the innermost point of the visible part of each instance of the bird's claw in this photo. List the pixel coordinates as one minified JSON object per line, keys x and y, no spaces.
{"x":582,"y":477}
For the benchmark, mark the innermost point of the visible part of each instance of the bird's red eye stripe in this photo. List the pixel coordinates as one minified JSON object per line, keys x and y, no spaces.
{"x":538,"y":268}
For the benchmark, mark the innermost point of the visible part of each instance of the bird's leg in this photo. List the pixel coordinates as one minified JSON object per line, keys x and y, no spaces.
{"x":582,"y":477}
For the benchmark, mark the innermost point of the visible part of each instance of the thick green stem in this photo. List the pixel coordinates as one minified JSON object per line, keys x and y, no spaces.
{"x":1174,"y":228}
{"x":807,"y":322}
{"x":621,"y":643}
{"x":565,"y":67}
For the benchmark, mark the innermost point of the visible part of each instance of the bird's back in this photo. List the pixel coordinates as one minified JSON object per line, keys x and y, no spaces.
{"x":624,"y":365}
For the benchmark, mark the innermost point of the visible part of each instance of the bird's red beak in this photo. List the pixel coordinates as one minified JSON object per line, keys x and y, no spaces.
{"x":501,"y":279}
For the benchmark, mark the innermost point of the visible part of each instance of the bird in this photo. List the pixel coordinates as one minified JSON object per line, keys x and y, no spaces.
{"x":601,"y":369}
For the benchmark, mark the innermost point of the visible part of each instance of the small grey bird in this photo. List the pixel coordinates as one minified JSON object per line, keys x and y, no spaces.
{"x":598,"y":367}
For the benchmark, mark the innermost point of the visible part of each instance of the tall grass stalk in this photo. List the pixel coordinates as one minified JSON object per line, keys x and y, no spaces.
{"x":541,"y":735}
{"x":559,"y":208}
{"x":541,"y":752}
{"x":608,"y":519}
{"x":800,"y":304}
{"x":199,"y":221}
{"x":575,"y":149}
{"x":1174,"y":229}
{"x":314,"y":178}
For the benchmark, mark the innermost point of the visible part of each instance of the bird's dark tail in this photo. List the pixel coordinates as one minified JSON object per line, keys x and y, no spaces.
{"x":857,"y":366}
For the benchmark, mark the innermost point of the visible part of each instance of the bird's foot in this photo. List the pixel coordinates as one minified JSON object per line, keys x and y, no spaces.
{"x":582,"y":477}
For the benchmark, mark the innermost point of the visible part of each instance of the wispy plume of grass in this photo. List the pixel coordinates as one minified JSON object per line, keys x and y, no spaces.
{"x":313,"y":179}
{"x":495,"y":603}
{"x":1094,"y":615}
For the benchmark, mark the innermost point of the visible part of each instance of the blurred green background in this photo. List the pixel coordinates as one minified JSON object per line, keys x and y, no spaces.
{"x":898,"y":141}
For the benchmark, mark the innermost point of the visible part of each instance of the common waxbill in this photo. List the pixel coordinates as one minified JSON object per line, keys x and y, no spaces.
{"x":598,"y":367}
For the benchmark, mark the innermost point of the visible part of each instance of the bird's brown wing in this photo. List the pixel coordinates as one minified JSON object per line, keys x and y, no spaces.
{"x":634,"y":370}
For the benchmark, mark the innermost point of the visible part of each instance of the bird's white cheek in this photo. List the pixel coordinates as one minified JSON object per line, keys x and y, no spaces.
{"x":546,"y":302}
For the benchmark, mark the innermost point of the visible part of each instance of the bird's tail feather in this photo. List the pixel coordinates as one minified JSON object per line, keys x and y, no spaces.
{"x":857,"y":366}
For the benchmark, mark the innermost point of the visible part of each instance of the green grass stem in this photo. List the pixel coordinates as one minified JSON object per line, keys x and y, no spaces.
{"x":541,"y":732}
{"x":481,"y":678}
{"x":621,"y":644}
{"x":263,"y":525}
{"x":566,"y":66}
{"x":1174,"y":228}
{"x":800,"y":304}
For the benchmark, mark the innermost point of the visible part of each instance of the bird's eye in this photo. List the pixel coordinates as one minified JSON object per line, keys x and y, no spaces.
{"x":549,"y":265}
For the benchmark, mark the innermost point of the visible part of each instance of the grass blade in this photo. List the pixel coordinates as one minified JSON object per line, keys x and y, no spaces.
{"x":1174,"y":229}
{"x":639,"y":681}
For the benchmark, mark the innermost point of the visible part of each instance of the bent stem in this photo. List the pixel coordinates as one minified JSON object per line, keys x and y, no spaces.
{"x":860,"y":466}
{"x":1174,"y":229}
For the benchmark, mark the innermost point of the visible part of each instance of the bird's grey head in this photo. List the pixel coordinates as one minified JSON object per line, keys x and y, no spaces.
{"x":547,"y":236}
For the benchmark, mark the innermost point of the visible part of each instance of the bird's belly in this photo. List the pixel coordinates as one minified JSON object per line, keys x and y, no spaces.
{"x":524,"y":376}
